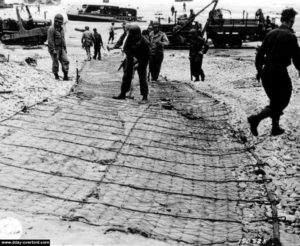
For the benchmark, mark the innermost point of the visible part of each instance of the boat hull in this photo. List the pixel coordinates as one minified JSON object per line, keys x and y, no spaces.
{"x":91,"y":18}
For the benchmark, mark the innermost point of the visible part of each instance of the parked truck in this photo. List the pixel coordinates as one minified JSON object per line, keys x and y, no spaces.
{"x":221,"y":31}
{"x":233,"y":32}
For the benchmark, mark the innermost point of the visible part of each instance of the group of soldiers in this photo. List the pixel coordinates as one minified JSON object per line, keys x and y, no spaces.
{"x":147,"y":46}
{"x":90,"y":39}
{"x":141,"y":49}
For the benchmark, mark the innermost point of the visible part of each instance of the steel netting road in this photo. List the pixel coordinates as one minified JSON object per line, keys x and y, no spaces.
{"x":168,"y":170}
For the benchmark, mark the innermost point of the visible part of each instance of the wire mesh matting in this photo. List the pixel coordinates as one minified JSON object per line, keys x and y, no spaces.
{"x":167,"y":169}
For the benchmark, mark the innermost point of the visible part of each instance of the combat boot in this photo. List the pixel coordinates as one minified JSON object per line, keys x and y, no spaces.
{"x":254,"y":120}
{"x":144,"y":100}
{"x":202,"y":77}
{"x":56,"y":76}
{"x":120,"y":97}
{"x":276,"y":129}
{"x":197,"y":78}
{"x":66,"y":78}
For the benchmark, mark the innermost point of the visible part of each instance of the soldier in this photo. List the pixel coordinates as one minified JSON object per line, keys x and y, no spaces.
{"x":57,"y":47}
{"x":172,"y":10}
{"x":136,"y":49}
{"x":259,"y":15}
{"x":192,"y":14}
{"x":274,"y":56}
{"x":87,"y":41}
{"x":184,"y":6}
{"x":198,"y":47}
{"x":158,"y":40}
{"x":97,"y":44}
{"x":111,"y":33}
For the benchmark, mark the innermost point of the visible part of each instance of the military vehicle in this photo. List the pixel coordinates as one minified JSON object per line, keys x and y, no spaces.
{"x":23,"y":32}
{"x":4,"y":5}
{"x":103,"y":13}
{"x":222,"y":32}
{"x":179,"y":33}
{"x":233,"y":32}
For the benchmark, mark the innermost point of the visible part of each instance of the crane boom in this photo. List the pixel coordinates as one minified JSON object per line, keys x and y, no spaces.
{"x":215,"y":2}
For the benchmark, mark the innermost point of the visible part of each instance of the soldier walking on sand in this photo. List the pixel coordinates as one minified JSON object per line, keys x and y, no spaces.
{"x":136,"y":49}
{"x":111,"y":33}
{"x":158,"y":40}
{"x":274,"y":56}
{"x":184,"y":6}
{"x":97,"y":44}
{"x":198,"y":47}
{"x":87,"y":41}
{"x":57,"y":47}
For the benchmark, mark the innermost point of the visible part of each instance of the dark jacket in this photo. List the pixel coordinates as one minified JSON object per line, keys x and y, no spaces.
{"x":198,"y":46}
{"x":278,"y":49}
{"x":97,"y":39}
{"x":139,"y":50}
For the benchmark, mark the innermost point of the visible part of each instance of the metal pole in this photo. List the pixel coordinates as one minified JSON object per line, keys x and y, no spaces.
{"x":175,"y":17}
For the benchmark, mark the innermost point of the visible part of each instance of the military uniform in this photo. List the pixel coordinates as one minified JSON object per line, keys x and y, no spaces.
{"x":156,"y":52}
{"x":274,"y":56}
{"x":57,"y":49}
{"x":87,"y":42}
{"x":198,"y":47}
{"x":111,"y":34}
{"x":137,"y":53}
{"x":97,"y":45}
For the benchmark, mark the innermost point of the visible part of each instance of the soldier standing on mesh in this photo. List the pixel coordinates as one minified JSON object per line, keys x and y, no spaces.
{"x":274,"y":56}
{"x":87,"y":41}
{"x":158,"y":40}
{"x":198,"y":47}
{"x":57,"y":47}
{"x":97,"y":44}
{"x":136,"y":49}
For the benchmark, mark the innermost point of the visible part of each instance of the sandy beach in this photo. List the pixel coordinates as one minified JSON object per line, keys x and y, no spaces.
{"x":230,"y":78}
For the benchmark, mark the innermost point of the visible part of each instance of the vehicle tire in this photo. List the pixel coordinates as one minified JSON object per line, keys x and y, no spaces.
{"x":219,"y":42}
{"x":236,"y":42}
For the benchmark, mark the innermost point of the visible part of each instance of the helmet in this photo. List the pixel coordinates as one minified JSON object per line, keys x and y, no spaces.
{"x":156,"y":24}
{"x":59,"y":17}
{"x":134,"y":30}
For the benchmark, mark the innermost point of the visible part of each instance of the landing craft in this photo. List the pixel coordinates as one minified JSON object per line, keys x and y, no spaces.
{"x":24,"y":32}
{"x":102,"y":13}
